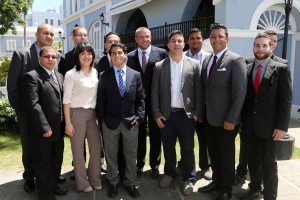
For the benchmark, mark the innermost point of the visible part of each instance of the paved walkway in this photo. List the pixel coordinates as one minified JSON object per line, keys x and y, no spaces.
{"x":11,"y":184}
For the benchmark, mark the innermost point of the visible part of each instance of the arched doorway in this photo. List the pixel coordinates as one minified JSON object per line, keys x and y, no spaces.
{"x":136,"y":20}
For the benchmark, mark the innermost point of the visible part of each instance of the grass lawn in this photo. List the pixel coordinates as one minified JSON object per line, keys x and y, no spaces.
{"x":11,"y":151}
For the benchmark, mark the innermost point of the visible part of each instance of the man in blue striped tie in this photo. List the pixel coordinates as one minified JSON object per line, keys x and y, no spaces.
{"x":120,"y":109}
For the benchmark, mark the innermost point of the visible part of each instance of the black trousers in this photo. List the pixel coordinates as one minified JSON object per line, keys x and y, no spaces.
{"x":47,"y":161}
{"x":204,"y":159}
{"x":26,"y":144}
{"x":155,"y":140}
{"x":262,"y":165}
{"x":221,"y":147}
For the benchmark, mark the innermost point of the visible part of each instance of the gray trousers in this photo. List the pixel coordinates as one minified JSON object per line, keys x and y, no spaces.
{"x":85,"y":125}
{"x":111,"y":143}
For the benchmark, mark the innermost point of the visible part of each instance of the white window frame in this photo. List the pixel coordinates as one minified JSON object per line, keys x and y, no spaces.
{"x":11,"y":45}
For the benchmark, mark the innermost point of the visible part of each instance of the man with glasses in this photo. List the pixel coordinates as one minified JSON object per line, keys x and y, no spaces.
{"x":224,"y":79}
{"x":43,"y":102}
{"x":24,"y":60}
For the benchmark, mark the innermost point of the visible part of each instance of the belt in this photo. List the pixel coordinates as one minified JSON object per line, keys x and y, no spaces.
{"x":177,"y":109}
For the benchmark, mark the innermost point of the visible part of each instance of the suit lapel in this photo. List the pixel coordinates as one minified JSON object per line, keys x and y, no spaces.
{"x":166,"y":68}
{"x":34,"y":55}
{"x":129,"y":78}
{"x":205,"y":67}
{"x":47,"y":77}
{"x":185,"y":64}
{"x":113,"y":80}
{"x":270,"y":68}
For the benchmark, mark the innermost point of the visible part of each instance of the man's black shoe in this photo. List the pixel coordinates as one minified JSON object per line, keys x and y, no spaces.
{"x":29,"y":186}
{"x":209,"y":188}
{"x":132,"y":191}
{"x":72,"y":175}
{"x":139,"y":171}
{"x":60,"y":191}
{"x":239,"y":179}
{"x":224,"y":196}
{"x":253,"y":195}
{"x":154,"y":173}
{"x":113,"y":190}
{"x":61,"y":179}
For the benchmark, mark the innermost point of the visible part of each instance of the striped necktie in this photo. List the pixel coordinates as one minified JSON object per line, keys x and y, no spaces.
{"x":121,"y":82}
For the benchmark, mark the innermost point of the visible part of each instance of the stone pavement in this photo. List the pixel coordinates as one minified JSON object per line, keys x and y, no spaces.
{"x":11,"y":184}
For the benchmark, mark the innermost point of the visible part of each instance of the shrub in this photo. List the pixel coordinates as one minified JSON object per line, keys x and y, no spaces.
{"x":7,"y":116}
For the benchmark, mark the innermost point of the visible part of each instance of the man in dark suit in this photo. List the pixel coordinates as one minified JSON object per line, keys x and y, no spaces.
{"x":241,"y":169}
{"x":265,"y":117}
{"x":42,"y":95}
{"x":121,"y":109}
{"x":175,"y":98}
{"x":224,"y":78}
{"x":145,"y":67}
{"x":24,"y":60}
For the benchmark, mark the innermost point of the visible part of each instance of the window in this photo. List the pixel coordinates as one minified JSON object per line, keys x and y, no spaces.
{"x":59,"y":22}
{"x":51,"y":22}
{"x":46,"y":21}
{"x":11,"y":45}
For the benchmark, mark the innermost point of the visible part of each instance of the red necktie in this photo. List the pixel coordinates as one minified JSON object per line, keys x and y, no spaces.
{"x":257,"y":79}
{"x":212,"y":65}
{"x":144,"y":64}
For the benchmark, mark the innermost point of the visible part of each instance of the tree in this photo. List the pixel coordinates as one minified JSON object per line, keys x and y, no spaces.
{"x":10,"y":14}
{"x":25,"y":10}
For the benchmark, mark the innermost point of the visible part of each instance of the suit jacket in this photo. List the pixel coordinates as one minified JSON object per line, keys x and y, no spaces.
{"x":270,"y":108}
{"x":43,"y":102}
{"x":103,"y":65}
{"x":156,"y":55}
{"x":190,"y":88}
{"x":112,"y":108}
{"x":224,"y":92}
{"x":68,"y":63}
{"x":23,"y":60}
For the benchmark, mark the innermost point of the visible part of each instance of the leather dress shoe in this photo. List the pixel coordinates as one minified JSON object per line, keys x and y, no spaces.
{"x":61,"y":179}
{"x":132,"y":191}
{"x":139,"y":171}
{"x":59,"y":191}
{"x":154,"y":173}
{"x":209,"y":188}
{"x":29,"y":186}
{"x":72,"y":175}
{"x":113,"y":190}
{"x":224,"y":196}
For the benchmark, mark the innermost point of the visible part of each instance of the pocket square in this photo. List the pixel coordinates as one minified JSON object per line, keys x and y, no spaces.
{"x":221,"y":69}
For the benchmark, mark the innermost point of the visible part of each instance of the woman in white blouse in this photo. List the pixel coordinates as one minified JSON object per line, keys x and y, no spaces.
{"x":80,"y":89}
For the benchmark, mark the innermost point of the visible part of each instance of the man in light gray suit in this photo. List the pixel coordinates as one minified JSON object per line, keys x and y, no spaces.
{"x":175,"y":96}
{"x":224,"y":78}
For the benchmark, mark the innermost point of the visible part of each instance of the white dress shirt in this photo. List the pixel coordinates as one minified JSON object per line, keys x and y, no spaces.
{"x":176,"y":76}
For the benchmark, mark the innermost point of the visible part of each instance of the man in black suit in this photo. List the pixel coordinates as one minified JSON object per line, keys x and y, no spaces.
{"x":265,"y":117}
{"x":42,"y":95}
{"x":224,"y":78}
{"x":25,"y":60}
{"x":241,"y":169}
{"x":121,"y":109}
{"x":143,"y":60}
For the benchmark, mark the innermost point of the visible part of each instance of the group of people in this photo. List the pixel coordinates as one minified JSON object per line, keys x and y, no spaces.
{"x":116,"y":101}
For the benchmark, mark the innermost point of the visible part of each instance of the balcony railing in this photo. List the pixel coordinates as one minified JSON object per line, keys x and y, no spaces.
{"x":160,"y":33}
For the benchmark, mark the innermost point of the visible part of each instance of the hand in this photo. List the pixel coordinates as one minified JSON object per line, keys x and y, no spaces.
{"x":47,"y":134}
{"x":134,"y":123}
{"x":160,"y":123}
{"x":69,"y":130}
{"x":228,"y":126}
{"x":278,"y":134}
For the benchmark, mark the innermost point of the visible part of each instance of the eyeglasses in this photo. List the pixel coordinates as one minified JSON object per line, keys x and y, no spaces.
{"x":49,"y":56}
{"x":217,"y":36}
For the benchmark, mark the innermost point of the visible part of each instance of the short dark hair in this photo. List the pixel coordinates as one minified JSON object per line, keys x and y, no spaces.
{"x":175,"y":32}
{"x":46,"y":47}
{"x":194,"y":30}
{"x":271,"y":32}
{"x":81,"y":47}
{"x":110,"y":33}
{"x":122,"y":46}
{"x":218,"y":26}
{"x":263,"y":35}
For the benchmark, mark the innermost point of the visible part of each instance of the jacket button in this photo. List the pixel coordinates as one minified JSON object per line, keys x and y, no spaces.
{"x":254,"y":112}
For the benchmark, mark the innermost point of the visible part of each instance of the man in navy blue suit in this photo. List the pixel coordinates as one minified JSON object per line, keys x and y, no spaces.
{"x":120,"y":109}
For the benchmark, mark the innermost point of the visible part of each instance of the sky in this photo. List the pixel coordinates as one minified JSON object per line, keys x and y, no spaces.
{"x":42,"y":5}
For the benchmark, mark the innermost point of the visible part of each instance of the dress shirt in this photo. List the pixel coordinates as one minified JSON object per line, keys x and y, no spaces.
{"x":117,"y":75}
{"x":147,"y":54}
{"x":197,"y":56}
{"x":176,"y":75}
{"x":80,"y":91}
{"x":212,"y":58}
{"x":262,"y":69}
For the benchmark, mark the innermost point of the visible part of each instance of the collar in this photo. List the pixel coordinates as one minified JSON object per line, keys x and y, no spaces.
{"x":147,"y":50}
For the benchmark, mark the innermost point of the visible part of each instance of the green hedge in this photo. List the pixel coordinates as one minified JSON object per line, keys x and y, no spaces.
{"x":8,"y":119}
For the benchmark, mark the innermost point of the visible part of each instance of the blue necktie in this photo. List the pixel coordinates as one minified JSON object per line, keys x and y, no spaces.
{"x":121,"y":82}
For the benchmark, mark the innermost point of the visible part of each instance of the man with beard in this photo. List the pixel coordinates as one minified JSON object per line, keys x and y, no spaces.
{"x":265,"y":117}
